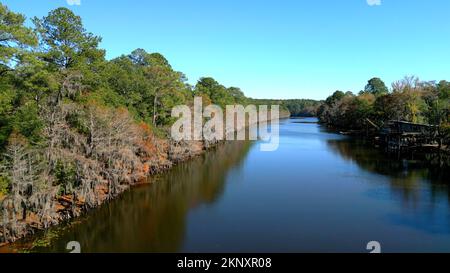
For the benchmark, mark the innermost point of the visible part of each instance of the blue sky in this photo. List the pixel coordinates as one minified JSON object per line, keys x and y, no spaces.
{"x":278,"y":48}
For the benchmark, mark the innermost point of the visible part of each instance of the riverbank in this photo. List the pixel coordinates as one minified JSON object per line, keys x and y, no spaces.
{"x":65,"y":207}
{"x":234,"y":197}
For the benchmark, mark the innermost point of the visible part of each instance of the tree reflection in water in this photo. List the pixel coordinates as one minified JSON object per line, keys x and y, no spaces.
{"x":151,"y":218}
{"x":420,"y":183}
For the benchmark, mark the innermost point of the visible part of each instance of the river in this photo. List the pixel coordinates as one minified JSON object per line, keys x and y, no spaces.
{"x":319,"y":192}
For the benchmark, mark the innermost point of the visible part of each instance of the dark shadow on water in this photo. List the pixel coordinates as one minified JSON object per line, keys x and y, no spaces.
{"x":377,"y":161}
{"x":420,"y":185}
{"x":152,"y":218}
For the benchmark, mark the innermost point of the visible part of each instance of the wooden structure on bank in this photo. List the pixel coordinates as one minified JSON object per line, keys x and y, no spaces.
{"x":407,"y":136}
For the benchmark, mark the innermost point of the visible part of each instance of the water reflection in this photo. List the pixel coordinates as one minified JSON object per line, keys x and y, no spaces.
{"x":419,"y":185}
{"x":319,"y":192}
{"x":152,"y":218}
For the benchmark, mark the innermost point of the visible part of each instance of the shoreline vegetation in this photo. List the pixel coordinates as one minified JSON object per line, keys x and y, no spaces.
{"x":77,"y":130}
{"x":412,"y":116}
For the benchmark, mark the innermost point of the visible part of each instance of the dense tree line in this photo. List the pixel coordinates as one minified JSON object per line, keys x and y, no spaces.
{"x":302,"y":107}
{"x":75,"y":126}
{"x":409,"y":99}
{"x":295,"y":107}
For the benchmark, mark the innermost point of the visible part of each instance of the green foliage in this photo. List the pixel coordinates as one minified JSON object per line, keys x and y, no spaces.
{"x":66,"y":177}
{"x":27,"y":122}
{"x":140,"y":57}
{"x":68,"y":49}
{"x":127,"y":80}
{"x":302,"y":108}
{"x":238,"y":95}
{"x":14,"y":37}
{"x":18,"y":113}
{"x":45,"y":240}
{"x":35,"y":82}
{"x":67,"y":43}
{"x":376,"y":87}
{"x":412,"y":100}
{"x":443,"y":89}
{"x":218,"y":93}
{"x":76,"y":121}
{"x":4,"y":186}
{"x":6,"y":109}
{"x":147,"y":85}
{"x":106,"y":96}
{"x":337,"y":96}
{"x":166,"y":91}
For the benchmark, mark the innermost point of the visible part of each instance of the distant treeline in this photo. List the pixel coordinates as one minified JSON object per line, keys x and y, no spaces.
{"x":296,"y":107}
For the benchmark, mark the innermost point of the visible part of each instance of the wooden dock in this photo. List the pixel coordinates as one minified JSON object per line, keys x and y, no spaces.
{"x":406,"y":136}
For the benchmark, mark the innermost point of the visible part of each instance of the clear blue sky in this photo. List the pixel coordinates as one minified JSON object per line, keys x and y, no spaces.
{"x":278,"y":48}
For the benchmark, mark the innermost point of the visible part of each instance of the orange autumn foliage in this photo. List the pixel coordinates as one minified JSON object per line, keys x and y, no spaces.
{"x":146,"y":141}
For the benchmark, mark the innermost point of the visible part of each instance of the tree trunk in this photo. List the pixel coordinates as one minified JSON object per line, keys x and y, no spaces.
{"x":24,"y":212}
{"x":155,"y":101}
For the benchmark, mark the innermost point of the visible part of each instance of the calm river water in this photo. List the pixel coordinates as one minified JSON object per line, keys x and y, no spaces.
{"x":319,"y":192}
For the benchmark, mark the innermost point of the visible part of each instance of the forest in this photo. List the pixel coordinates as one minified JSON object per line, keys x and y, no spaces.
{"x":296,"y":107}
{"x":77,"y":129}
